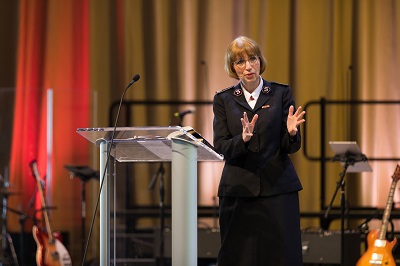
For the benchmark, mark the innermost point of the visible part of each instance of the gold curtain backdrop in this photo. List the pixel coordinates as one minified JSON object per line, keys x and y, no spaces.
{"x":332,"y":49}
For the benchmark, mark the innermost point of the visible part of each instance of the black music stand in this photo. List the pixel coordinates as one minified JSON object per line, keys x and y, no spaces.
{"x":84,"y":173}
{"x":353,"y":161}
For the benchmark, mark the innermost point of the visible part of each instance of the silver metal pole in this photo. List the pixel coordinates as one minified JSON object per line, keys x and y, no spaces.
{"x":104,"y":208}
{"x":184,"y":203}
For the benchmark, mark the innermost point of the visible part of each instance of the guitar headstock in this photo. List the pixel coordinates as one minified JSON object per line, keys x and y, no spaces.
{"x":396,"y":174}
{"x":34,"y":168}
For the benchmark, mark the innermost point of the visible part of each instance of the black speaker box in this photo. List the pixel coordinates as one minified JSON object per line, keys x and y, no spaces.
{"x":208,"y":243}
{"x":324,"y":247}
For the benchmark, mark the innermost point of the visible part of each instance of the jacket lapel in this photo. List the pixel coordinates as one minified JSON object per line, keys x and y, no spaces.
{"x":239,"y":97}
{"x":265,"y":95}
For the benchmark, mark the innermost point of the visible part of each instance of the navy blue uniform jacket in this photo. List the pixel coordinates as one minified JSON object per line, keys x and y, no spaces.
{"x":260,"y":167}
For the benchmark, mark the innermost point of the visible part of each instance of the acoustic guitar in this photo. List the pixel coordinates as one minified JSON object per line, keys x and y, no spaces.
{"x":50,"y":250}
{"x":379,"y":250}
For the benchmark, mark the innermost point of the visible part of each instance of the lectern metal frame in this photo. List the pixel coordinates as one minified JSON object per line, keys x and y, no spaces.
{"x":157,"y":144}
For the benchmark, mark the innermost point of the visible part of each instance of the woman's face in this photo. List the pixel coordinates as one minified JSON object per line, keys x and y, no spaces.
{"x":248,"y":69}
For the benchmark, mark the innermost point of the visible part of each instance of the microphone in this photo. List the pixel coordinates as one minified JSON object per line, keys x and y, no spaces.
{"x":183,"y":113}
{"x":135,"y":78}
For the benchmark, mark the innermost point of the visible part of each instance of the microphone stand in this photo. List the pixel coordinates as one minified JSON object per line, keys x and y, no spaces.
{"x":111,"y":143}
{"x":160,"y":172}
{"x":349,"y":160}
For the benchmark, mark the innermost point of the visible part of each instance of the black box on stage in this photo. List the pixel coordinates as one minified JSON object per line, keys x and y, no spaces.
{"x":208,"y":243}
{"x":324,"y":247}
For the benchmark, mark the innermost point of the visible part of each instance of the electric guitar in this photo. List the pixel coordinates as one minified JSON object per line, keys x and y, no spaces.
{"x":379,"y":250}
{"x":50,"y":250}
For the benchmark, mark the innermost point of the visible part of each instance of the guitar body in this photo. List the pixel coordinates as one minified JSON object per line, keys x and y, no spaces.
{"x":50,"y":253}
{"x":379,"y":252}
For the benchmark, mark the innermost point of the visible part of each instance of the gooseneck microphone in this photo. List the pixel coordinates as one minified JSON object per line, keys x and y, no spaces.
{"x":183,"y":113}
{"x":135,"y":78}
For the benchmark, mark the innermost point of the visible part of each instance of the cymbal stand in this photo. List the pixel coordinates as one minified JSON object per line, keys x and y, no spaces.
{"x":6,"y":239}
{"x":4,"y":217}
{"x":22,"y":218}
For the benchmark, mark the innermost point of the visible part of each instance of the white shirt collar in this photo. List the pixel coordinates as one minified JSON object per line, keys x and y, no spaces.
{"x":255,"y":93}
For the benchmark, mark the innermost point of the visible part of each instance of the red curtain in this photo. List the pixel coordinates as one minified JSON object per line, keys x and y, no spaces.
{"x":53,"y":53}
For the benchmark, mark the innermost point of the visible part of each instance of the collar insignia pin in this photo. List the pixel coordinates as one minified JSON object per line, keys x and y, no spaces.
{"x":266,"y":90}
{"x":238,"y":92}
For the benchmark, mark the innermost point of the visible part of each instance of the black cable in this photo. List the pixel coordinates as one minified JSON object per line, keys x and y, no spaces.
{"x":134,"y":79}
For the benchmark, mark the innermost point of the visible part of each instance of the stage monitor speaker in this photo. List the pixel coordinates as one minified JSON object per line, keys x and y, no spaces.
{"x":208,"y":243}
{"x":324,"y":247}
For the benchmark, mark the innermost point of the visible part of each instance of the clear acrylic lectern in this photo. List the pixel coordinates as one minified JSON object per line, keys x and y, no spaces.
{"x":183,"y":147}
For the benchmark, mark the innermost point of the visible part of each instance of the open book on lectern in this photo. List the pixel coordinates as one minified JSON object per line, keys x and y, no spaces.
{"x":192,"y":135}
{"x":149,"y":144}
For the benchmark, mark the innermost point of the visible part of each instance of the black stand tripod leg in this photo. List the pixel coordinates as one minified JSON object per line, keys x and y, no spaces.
{"x":12,"y":249}
{"x":342,"y":233}
{"x":341,"y":184}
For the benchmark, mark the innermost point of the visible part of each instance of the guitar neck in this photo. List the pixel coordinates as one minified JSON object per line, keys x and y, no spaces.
{"x":46,"y":215}
{"x":389,"y":204}
{"x":44,"y":206}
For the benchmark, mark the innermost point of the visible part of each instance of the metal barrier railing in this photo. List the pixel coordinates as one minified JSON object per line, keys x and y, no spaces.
{"x":128,"y":115}
{"x":322,"y":158}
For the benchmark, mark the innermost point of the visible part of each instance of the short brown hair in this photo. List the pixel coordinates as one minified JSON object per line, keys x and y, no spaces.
{"x":238,"y":47}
